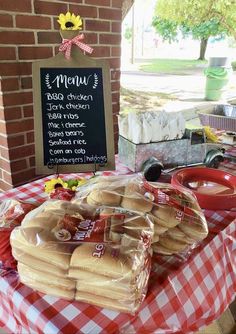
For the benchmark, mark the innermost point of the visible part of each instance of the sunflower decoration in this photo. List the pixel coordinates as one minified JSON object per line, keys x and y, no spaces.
{"x":70,"y":21}
{"x":70,"y":184}
{"x":211,"y":137}
{"x":53,"y":184}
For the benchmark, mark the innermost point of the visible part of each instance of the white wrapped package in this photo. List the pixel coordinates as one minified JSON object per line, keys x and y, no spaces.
{"x":152,"y":126}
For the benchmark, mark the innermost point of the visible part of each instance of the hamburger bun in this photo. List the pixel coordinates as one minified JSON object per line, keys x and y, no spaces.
{"x":157,"y":248}
{"x":136,"y":204}
{"x":105,"y":302}
{"x":134,"y":226}
{"x":46,"y":278}
{"x":177,"y":234}
{"x":101,"y":259}
{"x":103,"y":197}
{"x":166,"y":216}
{"x":40,"y":244}
{"x":38,"y":264}
{"x":106,"y":292}
{"x":195,"y":230}
{"x":172,"y":244}
{"x":48,"y":289}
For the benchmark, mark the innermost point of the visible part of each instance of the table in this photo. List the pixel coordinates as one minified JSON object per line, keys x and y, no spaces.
{"x":183,"y":295}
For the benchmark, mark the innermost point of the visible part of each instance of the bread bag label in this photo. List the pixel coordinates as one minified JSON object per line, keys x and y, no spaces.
{"x":173,"y":198}
{"x":74,"y":229}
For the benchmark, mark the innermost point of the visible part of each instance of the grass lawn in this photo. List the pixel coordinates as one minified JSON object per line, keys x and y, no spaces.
{"x":173,"y":66}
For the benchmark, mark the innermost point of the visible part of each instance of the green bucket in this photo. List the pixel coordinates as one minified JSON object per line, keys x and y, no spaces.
{"x":213,"y":94}
{"x":216,"y":80}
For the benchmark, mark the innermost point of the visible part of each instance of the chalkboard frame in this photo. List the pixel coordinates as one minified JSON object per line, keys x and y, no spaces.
{"x":77,"y":60}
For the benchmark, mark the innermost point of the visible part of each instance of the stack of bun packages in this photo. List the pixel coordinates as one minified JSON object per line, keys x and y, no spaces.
{"x":179,"y":223}
{"x":100,"y":255}
{"x":12,"y":212}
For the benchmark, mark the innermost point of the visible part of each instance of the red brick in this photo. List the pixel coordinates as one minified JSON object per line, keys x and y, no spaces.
{"x":18,"y":165}
{"x":6,"y":20}
{"x":117,"y":3}
{"x":116,"y":130}
{"x":26,"y":82}
{"x":115,"y":97}
{"x":116,"y":142}
{"x":32,"y":161}
{"x":16,"y":5}
{"x":33,"y":22}
{"x":4,"y":152}
{"x":13,"y":69}
{"x":20,"y":126}
{"x":2,"y":116}
{"x":115,"y":75}
{"x":15,"y":141}
{"x":16,"y":37}
{"x":105,"y":3}
{"x":77,"y":1}
{"x":115,"y":86}
{"x":56,"y":50}
{"x":115,"y":119}
{"x":97,"y":25}
{"x":91,"y":38}
{"x":84,"y":11}
{"x":13,"y":99}
{"x":21,"y":152}
{"x":7,"y":177}
{"x":28,"y":111}
{"x":30,"y":137}
{"x":114,"y":62}
{"x":110,"y":14}
{"x":51,"y":8}
{"x":3,"y":141}
{"x":116,"y":27}
{"x":4,"y":164}
{"x":116,"y":51}
{"x":101,"y":51}
{"x":3,"y":128}
{"x":12,"y":113}
{"x":5,"y":186}
{"x":9,"y":84}
{"x":109,"y":39}
{"x":49,"y":37}
{"x":23,"y":176}
{"x":7,"y":53}
{"x":115,"y":108}
{"x":35,"y":52}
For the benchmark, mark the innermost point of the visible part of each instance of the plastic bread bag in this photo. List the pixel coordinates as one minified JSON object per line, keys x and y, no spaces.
{"x":179,"y":223}
{"x":12,"y":213}
{"x":97,"y":255}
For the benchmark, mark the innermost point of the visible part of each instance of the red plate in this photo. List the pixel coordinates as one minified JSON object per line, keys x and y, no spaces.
{"x":214,"y":188}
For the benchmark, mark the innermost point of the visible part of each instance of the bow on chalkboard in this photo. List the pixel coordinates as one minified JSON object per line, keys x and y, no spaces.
{"x":67,"y":44}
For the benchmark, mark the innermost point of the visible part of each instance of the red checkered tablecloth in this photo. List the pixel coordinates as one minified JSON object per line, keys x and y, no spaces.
{"x":183,"y":295}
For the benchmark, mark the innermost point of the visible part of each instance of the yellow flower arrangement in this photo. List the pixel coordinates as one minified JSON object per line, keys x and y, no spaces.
{"x":53,"y":184}
{"x":71,"y":184}
{"x":70,"y":21}
{"x":211,"y":137}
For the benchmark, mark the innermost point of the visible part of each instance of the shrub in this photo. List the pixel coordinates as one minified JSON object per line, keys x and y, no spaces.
{"x":233,"y":65}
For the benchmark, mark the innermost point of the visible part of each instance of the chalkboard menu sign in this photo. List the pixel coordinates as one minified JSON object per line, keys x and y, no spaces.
{"x":73,"y":115}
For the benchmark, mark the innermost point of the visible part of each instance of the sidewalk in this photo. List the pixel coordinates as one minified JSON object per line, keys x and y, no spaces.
{"x":188,"y":89}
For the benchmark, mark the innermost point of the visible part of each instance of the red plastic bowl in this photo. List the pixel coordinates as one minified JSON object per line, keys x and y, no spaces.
{"x":214,"y":188}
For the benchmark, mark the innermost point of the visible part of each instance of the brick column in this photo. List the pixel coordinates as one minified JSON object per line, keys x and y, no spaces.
{"x":29,"y":31}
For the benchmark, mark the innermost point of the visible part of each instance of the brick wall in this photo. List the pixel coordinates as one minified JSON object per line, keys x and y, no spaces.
{"x":29,"y":31}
